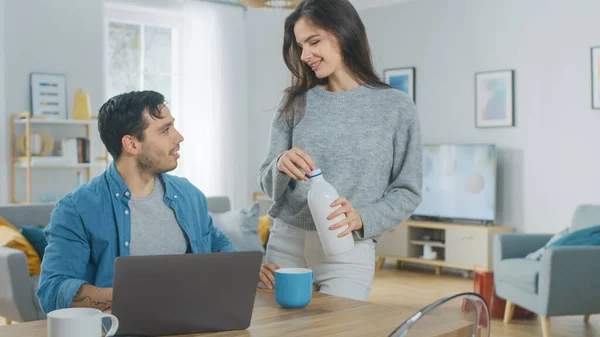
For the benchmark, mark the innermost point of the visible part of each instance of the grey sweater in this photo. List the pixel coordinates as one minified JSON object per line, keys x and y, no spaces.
{"x":366,"y":141}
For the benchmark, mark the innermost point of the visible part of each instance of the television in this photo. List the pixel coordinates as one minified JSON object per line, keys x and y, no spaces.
{"x":459,"y":182}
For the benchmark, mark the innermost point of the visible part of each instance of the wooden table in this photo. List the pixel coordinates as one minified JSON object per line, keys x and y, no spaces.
{"x":324,"y":316}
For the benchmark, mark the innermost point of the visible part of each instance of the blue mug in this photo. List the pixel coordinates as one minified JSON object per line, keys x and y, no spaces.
{"x":293,"y":287}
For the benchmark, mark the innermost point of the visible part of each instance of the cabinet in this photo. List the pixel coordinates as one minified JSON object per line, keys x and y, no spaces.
{"x":28,"y":156}
{"x":468,"y":247}
{"x":391,"y":239}
{"x":455,"y":245}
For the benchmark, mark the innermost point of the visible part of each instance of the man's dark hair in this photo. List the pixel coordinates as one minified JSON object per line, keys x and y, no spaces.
{"x":124,"y":115}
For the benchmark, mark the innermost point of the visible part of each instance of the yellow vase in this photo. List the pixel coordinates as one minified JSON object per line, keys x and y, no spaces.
{"x":81,"y":106}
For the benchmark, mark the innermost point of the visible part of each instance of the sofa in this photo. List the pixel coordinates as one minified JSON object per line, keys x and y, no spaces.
{"x":564,"y":281}
{"x":17,"y":288}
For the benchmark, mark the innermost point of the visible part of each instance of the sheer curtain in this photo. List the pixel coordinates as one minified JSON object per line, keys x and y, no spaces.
{"x":213,"y":117}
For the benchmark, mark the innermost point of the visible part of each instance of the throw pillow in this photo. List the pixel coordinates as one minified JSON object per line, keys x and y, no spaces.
{"x":10,"y":237}
{"x":584,"y":237}
{"x":264,"y":225}
{"x":537,"y":255}
{"x":241,"y":227}
{"x":35,"y":235}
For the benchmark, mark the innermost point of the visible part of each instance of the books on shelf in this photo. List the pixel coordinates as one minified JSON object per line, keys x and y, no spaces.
{"x":69,"y":152}
{"x":76,"y":150}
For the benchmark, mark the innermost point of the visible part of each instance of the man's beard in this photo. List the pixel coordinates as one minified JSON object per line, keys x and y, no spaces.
{"x":150,"y":163}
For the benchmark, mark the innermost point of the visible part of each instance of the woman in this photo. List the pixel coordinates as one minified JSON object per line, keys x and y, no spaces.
{"x":337,"y":116}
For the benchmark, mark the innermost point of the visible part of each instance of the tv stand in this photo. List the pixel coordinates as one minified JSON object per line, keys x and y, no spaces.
{"x":451,"y":221}
{"x":463,"y":246}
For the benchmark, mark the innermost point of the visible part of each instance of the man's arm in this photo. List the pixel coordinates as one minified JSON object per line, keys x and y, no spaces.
{"x":219,"y":241}
{"x":65,"y":259}
{"x":89,"y":296}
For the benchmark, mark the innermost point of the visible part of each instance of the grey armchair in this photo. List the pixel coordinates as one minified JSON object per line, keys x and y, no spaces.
{"x":17,"y":288}
{"x":565,"y":281}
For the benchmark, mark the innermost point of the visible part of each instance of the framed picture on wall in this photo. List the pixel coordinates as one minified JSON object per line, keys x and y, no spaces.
{"x":494,"y":99}
{"x":402,"y":79}
{"x":596,"y":77}
{"x":48,"y":95}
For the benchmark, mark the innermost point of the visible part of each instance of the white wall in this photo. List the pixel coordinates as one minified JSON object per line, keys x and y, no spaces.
{"x":267,"y":78}
{"x":64,"y":36}
{"x":548,"y":162}
{"x":4,"y":145}
{"x":59,"y":36}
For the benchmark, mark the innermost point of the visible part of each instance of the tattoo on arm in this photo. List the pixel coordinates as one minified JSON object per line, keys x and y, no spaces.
{"x":91,"y":302}
{"x":78,"y":293}
{"x":92,"y":298}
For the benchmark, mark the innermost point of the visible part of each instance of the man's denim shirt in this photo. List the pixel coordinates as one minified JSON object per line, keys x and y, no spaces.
{"x":91,"y":226}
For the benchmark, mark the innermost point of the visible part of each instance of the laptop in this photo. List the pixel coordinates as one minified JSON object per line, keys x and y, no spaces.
{"x":184,"y":294}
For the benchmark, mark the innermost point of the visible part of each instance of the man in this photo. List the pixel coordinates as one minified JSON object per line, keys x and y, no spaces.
{"x":133,"y":208}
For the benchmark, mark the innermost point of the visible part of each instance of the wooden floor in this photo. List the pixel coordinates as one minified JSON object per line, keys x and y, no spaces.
{"x":417,"y":288}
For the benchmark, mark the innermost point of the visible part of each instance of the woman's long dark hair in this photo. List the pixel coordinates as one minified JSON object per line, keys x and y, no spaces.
{"x":341,"y":19}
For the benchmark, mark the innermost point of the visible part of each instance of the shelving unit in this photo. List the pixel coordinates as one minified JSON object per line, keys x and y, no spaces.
{"x":24,"y":161}
{"x":42,"y":121}
{"x":24,"y":165}
{"x":458,"y":245}
{"x":430,"y":243}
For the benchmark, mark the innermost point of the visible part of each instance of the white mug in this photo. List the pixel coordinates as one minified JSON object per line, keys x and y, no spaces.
{"x":79,"y":322}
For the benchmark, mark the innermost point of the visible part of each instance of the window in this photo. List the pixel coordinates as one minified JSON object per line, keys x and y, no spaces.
{"x":143,"y":57}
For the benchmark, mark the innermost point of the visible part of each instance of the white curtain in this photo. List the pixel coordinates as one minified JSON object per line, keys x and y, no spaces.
{"x":213,"y":115}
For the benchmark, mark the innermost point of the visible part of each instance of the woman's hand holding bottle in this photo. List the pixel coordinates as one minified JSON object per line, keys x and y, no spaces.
{"x":294,"y":160}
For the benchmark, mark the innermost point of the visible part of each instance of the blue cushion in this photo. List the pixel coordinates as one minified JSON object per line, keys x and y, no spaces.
{"x":589,"y":236}
{"x":537,"y":255}
{"x":35,"y":235}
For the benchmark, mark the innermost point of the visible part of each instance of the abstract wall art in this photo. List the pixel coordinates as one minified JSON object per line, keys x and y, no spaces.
{"x":494,"y":99}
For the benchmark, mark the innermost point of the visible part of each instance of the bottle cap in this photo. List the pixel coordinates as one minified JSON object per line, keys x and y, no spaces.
{"x":314,"y":173}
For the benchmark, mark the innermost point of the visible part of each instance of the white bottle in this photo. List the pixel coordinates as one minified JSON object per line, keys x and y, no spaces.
{"x":320,"y":196}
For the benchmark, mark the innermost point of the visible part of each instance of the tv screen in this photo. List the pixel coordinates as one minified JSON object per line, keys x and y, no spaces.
{"x":459,"y":182}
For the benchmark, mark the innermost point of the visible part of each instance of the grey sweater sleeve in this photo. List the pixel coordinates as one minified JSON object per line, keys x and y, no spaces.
{"x":403,"y":194}
{"x":273,"y":182}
